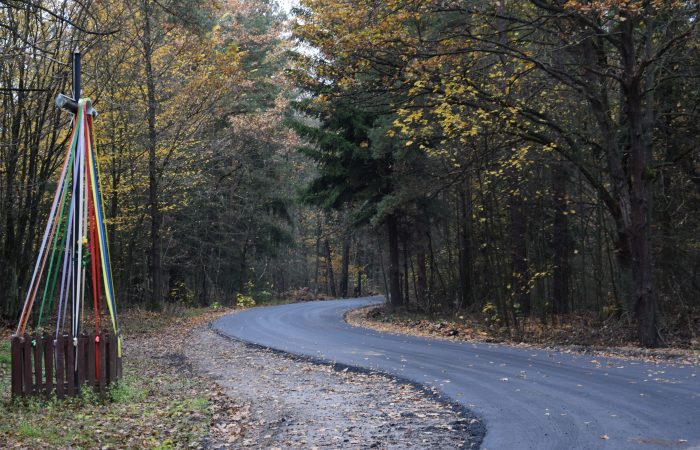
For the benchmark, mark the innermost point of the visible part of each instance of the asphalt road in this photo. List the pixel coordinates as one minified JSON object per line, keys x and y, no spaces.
{"x":528,"y":398}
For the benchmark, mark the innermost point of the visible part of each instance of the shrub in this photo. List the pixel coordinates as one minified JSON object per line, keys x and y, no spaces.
{"x":244,"y":301}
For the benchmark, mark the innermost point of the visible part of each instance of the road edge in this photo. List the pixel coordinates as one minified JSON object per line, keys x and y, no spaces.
{"x":687,"y":357}
{"x":475,"y":426}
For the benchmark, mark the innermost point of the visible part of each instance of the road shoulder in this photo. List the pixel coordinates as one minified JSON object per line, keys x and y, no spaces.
{"x":293,"y":402}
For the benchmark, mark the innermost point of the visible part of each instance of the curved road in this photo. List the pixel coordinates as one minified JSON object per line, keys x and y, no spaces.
{"x":528,"y":398}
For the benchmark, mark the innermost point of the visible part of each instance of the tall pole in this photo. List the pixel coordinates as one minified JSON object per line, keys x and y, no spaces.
{"x":71,"y":104}
{"x":78,"y":182}
{"x":76,"y":75}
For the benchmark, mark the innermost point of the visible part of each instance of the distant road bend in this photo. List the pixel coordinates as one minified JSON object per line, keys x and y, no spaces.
{"x":529,"y":399}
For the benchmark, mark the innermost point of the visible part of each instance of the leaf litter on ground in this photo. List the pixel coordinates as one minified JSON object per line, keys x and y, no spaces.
{"x":576,"y":338}
{"x":187,"y":387}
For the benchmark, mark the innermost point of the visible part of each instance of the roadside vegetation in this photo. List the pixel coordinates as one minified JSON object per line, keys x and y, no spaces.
{"x":158,"y":404}
{"x":580,"y":334}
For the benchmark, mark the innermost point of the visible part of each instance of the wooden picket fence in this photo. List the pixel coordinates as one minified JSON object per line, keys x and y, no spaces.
{"x":41,"y":366}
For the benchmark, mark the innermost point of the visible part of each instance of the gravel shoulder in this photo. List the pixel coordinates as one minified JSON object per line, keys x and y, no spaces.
{"x":528,"y":398}
{"x":290,"y":402}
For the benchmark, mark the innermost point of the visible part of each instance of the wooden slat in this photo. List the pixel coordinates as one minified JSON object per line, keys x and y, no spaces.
{"x":17,"y":366}
{"x":91,"y":380}
{"x":112,"y":358}
{"x":70,"y":366}
{"x":82,"y":360}
{"x":120,"y":372}
{"x":27,"y":365}
{"x":38,"y":352}
{"x":60,"y":367}
{"x":46,"y":366}
{"x":103,"y":364}
{"x":48,"y":363}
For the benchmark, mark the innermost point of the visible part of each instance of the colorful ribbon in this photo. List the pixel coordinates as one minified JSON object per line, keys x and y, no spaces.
{"x":80,"y":240}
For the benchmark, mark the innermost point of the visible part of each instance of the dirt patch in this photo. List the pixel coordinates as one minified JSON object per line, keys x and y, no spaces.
{"x":380,"y":319}
{"x":289,"y":402}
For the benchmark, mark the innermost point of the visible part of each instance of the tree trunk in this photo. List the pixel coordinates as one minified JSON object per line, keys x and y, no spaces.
{"x":358,"y":289}
{"x":203,"y":295}
{"x":154,"y":269}
{"x":344,"y":269}
{"x":520,"y":274}
{"x":9,"y":282}
{"x":465,"y":249}
{"x":329,"y":271}
{"x":358,"y":264}
{"x":317,"y":265}
{"x":640,"y":174}
{"x":406,"y":287}
{"x":422,"y":282}
{"x":394,"y":267}
{"x":560,"y":240}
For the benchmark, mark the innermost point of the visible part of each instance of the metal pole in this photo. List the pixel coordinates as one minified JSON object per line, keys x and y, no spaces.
{"x":77,"y":181}
{"x":71,"y":104}
{"x":76,"y":75}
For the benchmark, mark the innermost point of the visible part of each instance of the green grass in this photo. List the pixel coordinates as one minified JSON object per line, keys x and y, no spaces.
{"x":29,"y":431}
{"x":153,"y":406}
{"x":198,"y":403}
{"x":127,"y":390}
{"x":42,"y":433}
{"x":126,"y":417}
{"x":5,"y":357}
{"x":5,"y":361}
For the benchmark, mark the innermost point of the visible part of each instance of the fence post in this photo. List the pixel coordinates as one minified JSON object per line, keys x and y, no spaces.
{"x":103,"y":363}
{"x":47,"y":342}
{"x":119,"y":358}
{"x":70,"y":365}
{"x":82,"y":359}
{"x":91,"y":374}
{"x":27,"y":364}
{"x":60,"y":366}
{"x":37,"y":350}
{"x":112,"y":358}
{"x":17,"y":375}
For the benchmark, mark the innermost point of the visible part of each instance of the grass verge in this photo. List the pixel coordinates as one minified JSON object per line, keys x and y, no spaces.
{"x":158,"y":404}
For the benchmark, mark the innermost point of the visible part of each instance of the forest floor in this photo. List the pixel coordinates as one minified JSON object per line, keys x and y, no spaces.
{"x":157,"y":404}
{"x":612,"y":338}
{"x":186,"y":387}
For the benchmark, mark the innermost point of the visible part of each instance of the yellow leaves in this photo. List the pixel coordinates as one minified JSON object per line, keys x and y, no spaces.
{"x":549,"y":147}
{"x":418,"y":84}
{"x":621,"y":10}
{"x":413,"y":117}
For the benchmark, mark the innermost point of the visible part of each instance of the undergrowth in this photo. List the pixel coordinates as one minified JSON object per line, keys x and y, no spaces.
{"x":580,"y":329}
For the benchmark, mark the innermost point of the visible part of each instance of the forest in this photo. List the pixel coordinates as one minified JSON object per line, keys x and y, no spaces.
{"x":516,"y":162}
